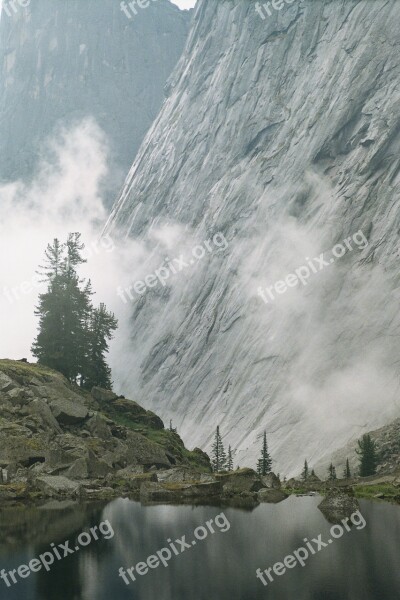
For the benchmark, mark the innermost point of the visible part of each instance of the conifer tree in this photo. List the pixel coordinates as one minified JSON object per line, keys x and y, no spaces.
{"x":101,"y":326}
{"x":49,"y":344}
{"x":229,"y":462}
{"x":313,"y":473}
{"x":264,"y":463}
{"x":304,"y":473}
{"x":368,"y":455}
{"x":73,"y":335}
{"x":331,"y":472}
{"x":347,"y":472}
{"x":218,"y":460}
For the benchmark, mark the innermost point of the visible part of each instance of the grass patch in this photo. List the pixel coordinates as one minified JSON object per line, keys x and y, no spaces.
{"x":19,"y":370}
{"x":369,"y":492}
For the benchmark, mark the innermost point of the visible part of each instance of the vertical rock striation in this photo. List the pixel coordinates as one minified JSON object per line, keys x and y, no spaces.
{"x":283,"y":134}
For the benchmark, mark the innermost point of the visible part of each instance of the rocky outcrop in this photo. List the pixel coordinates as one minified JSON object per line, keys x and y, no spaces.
{"x":55,"y":439}
{"x":236,"y":488}
{"x":283,"y":134}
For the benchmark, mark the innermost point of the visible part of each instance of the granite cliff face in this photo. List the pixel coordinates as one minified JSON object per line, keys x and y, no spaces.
{"x":64,"y":61}
{"x":283,"y":134}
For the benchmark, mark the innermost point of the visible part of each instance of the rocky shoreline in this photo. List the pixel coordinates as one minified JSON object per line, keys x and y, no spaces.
{"x":59,"y":442}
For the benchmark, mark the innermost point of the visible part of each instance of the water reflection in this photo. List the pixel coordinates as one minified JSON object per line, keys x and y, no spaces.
{"x":361,"y":564}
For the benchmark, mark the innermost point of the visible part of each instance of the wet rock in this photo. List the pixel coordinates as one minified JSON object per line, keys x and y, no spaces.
{"x":271,"y":495}
{"x":164,"y":492}
{"x":57,"y":486}
{"x":338,"y":504}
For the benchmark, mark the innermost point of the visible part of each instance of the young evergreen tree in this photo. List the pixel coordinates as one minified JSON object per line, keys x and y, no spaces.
{"x":368,"y":455}
{"x":313,"y":473}
{"x":229,"y":462}
{"x":102,"y":324}
{"x":347,"y":472}
{"x":331,"y":472}
{"x":218,"y":460}
{"x":264,"y":463}
{"x":73,"y":336}
{"x":304,"y":473}
{"x":49,"y":344}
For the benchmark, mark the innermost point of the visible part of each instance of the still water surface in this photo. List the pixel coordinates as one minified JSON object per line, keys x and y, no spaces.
{"x":362,"y":565}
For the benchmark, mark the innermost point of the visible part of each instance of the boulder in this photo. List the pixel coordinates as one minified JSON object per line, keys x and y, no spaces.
{"x":18,"y":445}
{"x":6,"y":383}
{"x":271,"y":481}
{"x":67,"y":412}
{"x":101,"y":395}
{"x":242,"y":480}
{"x":78,"y":470}
{"x":57,"y":486}
{"x":271,"y":495}
{"x":17,"y":395}
{"x":338,"y":504}
{"x":149,"y":419}
{"x":178,"y":474}
{"x":98,"y":427}
{"x":41,"y":409}
{"x":202,"y":490}
{"x":140,"y":450}
{"x":293,"y":484}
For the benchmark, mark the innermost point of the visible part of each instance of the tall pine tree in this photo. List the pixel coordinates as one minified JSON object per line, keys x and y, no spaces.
{"x":368,"y":455}
{"x":73,"y":335}
{"x":264,"y":463}
{"x":229,"y":462}
{"x":101,"y":326}
{"x":218,"y":460}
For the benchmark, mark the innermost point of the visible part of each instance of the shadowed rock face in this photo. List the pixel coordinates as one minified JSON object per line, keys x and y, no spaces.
{"x":63,"y":61}
{"x":284,"y":135}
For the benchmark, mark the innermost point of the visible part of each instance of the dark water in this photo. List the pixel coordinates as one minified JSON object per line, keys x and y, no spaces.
{"x":362,"y":565}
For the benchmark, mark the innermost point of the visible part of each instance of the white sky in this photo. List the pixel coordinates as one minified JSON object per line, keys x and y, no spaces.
{"x":184,"y":3}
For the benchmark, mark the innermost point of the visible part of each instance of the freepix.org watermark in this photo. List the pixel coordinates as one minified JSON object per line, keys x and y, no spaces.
{"x":57,"y":552}
{"x":303,"y":273}
{"x":302,"y":553}
{"x":172,"y":267}
{"x":11,"y":7}
{"x":130,"y":8}
{"x":163,"y":556}
{"x":267,"y":8}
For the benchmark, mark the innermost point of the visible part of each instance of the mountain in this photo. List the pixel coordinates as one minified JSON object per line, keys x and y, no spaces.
{"x":282,"y":134}
{"x":64,"y":61}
